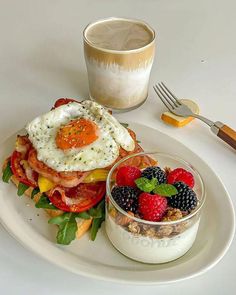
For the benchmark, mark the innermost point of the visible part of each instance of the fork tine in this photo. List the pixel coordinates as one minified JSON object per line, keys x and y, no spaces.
{"x":170,"y":93}
{"x":165,"y":96}
{"x":161,"y":98}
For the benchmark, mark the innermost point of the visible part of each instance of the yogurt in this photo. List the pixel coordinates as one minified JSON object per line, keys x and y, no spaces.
{"x":147,"y":249}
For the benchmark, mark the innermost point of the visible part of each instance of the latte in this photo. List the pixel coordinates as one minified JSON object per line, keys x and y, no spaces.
{"x":119,"y":55}
{"x":119,"y":35}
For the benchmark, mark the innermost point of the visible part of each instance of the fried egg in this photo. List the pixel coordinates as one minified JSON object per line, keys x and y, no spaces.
{"x":78,"y":137}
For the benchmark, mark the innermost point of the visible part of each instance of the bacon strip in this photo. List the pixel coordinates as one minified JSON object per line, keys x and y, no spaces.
{"x":23,"y":144}
{"x":67,"y":179}
{"x":71,"y":179}
{"x":67,"y":200}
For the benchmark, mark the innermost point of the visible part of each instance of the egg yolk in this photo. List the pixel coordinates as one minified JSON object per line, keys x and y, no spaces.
{"x":76,"y":134}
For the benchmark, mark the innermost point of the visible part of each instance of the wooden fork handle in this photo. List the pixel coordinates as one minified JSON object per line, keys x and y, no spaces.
{"x":226,"y":133}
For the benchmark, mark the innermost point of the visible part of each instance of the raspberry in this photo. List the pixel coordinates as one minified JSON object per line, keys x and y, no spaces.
{"x":126,"y":175}
{"x":154,"y":172}
{"x":180,"y":174}
{"x":126,"y":197}
{"x":152,"y":207}
{"x":185,"y":200}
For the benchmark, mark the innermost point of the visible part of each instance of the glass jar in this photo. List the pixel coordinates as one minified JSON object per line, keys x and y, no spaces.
{"x":147,"y":241}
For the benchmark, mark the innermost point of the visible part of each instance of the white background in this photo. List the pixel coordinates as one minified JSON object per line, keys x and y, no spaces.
{"x":41,"y":59}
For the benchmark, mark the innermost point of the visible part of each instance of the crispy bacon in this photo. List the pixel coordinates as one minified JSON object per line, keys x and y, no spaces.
{"x":31,"y":175}
{"x":71,"y":179}
{"x":140,"y":162}
{"x":67,"y":200}
{"x":23,"y":144}
{"x":67,"y":179}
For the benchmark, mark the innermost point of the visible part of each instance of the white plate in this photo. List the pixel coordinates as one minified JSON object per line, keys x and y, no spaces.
{"x":99,"y":259}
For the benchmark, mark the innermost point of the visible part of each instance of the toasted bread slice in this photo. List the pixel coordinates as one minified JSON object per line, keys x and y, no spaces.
{"x":83,"y":225}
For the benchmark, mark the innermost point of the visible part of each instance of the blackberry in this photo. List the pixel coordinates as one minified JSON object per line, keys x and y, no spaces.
{"x":154,"y":172}
{"x":185,"y":200}
{"x":126,"y":197}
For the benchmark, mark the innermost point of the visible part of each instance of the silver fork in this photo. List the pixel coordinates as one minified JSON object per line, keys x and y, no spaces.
{"x":175,"y":106}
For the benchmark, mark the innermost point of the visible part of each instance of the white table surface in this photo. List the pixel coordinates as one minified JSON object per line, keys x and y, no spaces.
{"x":41,"y":59}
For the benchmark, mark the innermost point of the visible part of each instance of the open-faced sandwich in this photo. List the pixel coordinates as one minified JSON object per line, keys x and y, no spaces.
{"x":63,"y":161}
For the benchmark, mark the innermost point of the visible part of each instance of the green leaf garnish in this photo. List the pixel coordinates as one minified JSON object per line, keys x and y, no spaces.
{"x":126,"y":125}
{"x":35,"y":192}
{"x":7,"y":173}
{"x":97,"y":222}
{"x":101,"y":207}
{"x":165,"y":190}
{"x":83,"y":215}
{"x":67,"y":226}
{"x":67,"y":229}
{"x":59,"y":219}
{"x":95,"y":212}
{"x":145,"y":184}
{"x":21,"y":188}
{"x":45,"y":203}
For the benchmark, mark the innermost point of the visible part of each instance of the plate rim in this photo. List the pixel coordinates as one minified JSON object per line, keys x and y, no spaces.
{"x":101,"y":277}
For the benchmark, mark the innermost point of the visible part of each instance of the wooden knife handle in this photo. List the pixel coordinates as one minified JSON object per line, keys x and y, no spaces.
{"x":228,"y":135}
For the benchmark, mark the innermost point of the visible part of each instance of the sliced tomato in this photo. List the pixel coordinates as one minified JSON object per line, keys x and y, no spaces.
{"x":62,"y":101}
{"x":78,"y":199}
{"x":18,"y":170}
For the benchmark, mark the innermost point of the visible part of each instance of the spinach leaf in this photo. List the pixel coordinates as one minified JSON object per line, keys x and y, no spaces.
{"x":84,"y":215}
{"x":67,"y":229}
{"x":21,"y":188}
{"x":97,"y":222}
{"x":59,"y":219}
{"x":45,"y":203}
{"x":7,"y":173}
{"x":68,"y":225}
{"x":35,"y":192}
{"x":95,"y":212}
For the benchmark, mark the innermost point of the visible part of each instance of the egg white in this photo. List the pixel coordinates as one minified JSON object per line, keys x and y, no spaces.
{"x":101,"y":153}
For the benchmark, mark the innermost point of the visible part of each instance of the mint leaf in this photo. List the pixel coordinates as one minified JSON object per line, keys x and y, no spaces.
{"x":67,"y":230}
{"x":97,"y":222}
{"x":145,"y":184}
{"x":126,"y":125}
{"x":166,"y":190}
{"x":21,"y":188}
{"x":45,"y":203}
{"x":35,"y":192}
{"x":7,"y":173}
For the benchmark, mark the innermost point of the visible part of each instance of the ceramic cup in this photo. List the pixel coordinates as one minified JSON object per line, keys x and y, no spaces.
{"x":119,"y":55}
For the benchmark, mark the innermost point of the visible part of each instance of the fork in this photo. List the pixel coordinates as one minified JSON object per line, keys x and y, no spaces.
{"x":175,"y":106}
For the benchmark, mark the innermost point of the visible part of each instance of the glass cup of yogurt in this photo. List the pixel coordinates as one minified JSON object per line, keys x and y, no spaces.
{"x":148,"y":241}
{"x":119,"y":54}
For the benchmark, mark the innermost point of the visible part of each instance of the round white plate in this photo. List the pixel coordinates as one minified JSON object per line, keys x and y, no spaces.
{"x":99,"y":259}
